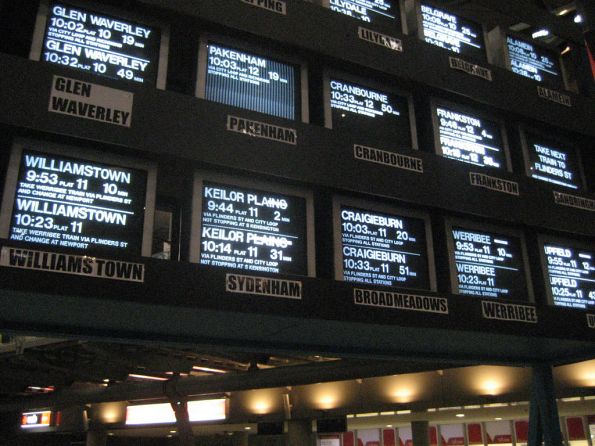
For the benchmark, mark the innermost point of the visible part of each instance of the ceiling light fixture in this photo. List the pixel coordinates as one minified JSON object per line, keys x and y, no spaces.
{"x":540,"y":33}
{"x":147,"y":377}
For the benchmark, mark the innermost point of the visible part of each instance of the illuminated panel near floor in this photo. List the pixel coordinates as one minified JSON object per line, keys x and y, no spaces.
{"x":33,"y":420}
{"x":203,"y":410}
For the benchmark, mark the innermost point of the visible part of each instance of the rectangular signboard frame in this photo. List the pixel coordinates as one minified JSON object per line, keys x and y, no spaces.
{"x":498,"y":54}
{"x":12,"y":178}
{"x":542,"y":239}
{"x":489,"y":228}
{"x":435,"y":102}
{"x":329,"y":73}
{"x":162,"y":57}
{"x":200,"y":177}
{"x":372,"y":206}
{"x":401,"y":24}
{"x":541,"y":46}
{"x":420,"y":28}
{"x":302,"y":112}
{"x":524,"y":130}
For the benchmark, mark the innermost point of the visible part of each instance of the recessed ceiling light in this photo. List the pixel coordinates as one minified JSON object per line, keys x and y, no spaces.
{"x":460,"y":415}
{"x":540,"y":33}
{"x":578,"y":18}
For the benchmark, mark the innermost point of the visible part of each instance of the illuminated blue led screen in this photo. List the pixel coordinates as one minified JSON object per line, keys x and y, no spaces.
{"x":469,"y":138}
{"x":571,"y":275}
{"x":489,"y":264}
{"x":552,"y":162}
{"x":251,"y":81}
{"x":101,"y":44}
{"x":380,"y":115}
{"x":451,"y":32}
{"x":69,"y":202}
{"x":253,"y":230}
{"x":383,"y":249}
{"x":533,"y":62}
{"x":371,"y":11}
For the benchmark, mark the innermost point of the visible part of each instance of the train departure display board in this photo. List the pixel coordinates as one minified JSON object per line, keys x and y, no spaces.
{"x":488,"y":264}
{"x":551,"y":161}
{"x":570,"y":274}
{"x":371,"y":11}
{"x":451,"y":32}
{"x":100,"y":43}
{"x":251,"y":81}
{"x":64,"y":200}
{"x":382,"y":248}
{"x":378,"y":114}
{"x":252,"y":229}
{"x":532,"y":61}
{"x":469,"y":138}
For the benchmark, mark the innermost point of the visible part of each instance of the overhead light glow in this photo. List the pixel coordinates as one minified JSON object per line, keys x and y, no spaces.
{"x":563,"y":11}
{"x":540,"y":33}
{"x":201,"y":410}
{"x":578,"y":18}
{"x":366,"y":415}
{"x":460,"y":415}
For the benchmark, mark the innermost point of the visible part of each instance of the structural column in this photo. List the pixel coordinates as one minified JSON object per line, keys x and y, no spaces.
{"x":544,"y":421}
{"x":299,"y":433}
{"x":96,"y":437}
{"x":420,"y":433}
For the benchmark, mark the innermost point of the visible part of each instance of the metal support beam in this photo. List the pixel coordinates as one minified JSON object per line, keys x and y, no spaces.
{"x":278,"y":377}
{"x":420,"y":433}
{"x":179,"y":404}
{"x":544,"y":421}
{"x":184,"y":428}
